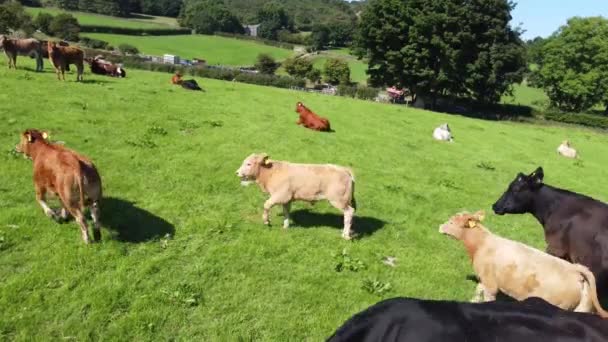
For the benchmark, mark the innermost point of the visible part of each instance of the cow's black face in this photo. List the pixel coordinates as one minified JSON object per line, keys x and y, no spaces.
{"x":519,"y":197}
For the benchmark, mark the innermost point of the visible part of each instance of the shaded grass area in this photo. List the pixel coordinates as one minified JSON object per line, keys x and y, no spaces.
{"x":214,"y":49}
{"x":137,"y":21}
{"x":184,"y":252}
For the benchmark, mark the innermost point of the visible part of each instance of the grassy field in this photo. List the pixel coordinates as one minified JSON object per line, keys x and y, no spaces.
{"x":357,"y":68}
{"x":139,"y":21}
{"x":527,"y":96}
{"x":184,"y":253}
{"x":215,"y":49}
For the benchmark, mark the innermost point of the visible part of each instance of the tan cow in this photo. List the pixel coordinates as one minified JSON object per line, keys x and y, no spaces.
{"x":63,"y":56}
{"x":566,"y":150}
{"x":520,"y":271}
{"x":71,"y":176}
{"x":287,"y":182}
{"x":24,"y":47}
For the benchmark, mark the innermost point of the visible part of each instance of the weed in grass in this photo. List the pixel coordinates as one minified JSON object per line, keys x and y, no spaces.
{"x":13,"y":154}
{"x":486,"y":166}
{"x":345,"y":262}
{"x":185,"y":294}
{"x":158,"y":130}
{"x":144,"y":142}
{"x":448,"y":183}
{"x":579,"y":163}
{"x":393,"y":188}
{"x":213,"y":123}
{"x":376,"y":287}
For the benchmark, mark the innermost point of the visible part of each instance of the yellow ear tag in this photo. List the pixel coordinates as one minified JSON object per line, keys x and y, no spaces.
{"x":29,"y":138}
{"x":45,"y":135}
{"x":266,"y":162}
{"x":472,"y":224}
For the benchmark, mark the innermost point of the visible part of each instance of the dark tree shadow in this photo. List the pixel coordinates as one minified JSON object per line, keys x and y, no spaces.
{"x":363,"y":226}
{"x":130,"y":223}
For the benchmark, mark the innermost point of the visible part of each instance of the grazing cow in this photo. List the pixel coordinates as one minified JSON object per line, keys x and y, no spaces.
{"x":63,"y":172}
{"x":311,"y":120}
{"x":186,"y":84}
{"x":443,"y":133}
{"x":100,"y":66}
{"x":62,"y":56}
{"x":417,"y":320}
{"x":566,"y":150}
{"x":24,"y":47}
{"x":575,"y":226}
{"x":521,"y":271}
{"x":286,"y":182}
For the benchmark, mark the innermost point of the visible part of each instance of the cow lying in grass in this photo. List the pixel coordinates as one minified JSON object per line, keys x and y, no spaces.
{"x":311,"y":120}
{"x":63,"y":172}
{"x":62,"y":56}
{"x":566,"y":150}
{"x":100,"y":66}
{"x":287,"y":182}
{"x":25,"y":47}
{"x":417,"y":320}
{"x":186,"y":84}
{"x":443,"y":133}
{"x":520,"y":271}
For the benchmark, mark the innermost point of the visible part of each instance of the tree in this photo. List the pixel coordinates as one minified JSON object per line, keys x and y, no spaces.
{"x":336,"y":71}
{"x":128,"y":49}
{"x":314,"y":75}
{"x":442,"y":47}
{"x":534,"y":50}
{"x":266,"y":64}
{"x":319,"y":37}
{"x":298,"y":67}
{"x":210,"y":16}
{"x":341,"y":32}
{"x":272,"y":18}
{"x":65,"y":26}
{"x":43,"y":22}
{"x":168,"y":8}
{"x":574,"y":65}
{"x":13,"y":17}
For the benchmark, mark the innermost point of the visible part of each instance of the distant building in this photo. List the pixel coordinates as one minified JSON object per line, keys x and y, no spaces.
{"x":251,"y":30}
{"x":170,"y":59}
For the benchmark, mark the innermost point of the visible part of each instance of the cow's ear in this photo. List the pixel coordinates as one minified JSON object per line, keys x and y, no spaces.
{"x":537,"y":176}
{"x":265,"y":161}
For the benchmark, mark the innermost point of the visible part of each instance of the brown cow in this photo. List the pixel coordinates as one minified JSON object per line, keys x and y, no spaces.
{"x":62,"y":56}
{"x":63,"y":172}
{"x":311,"y":120}
{"x":24,"y":47}
{"x":100,"y":66}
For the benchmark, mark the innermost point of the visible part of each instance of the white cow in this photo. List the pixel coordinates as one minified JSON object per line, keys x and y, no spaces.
{"x":566,"y":150}
{"x":443,"y":133}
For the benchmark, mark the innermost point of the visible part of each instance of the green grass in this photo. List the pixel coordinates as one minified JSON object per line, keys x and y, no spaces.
{"x":215,"y":49}
{"x":527,"y":96}
{"x":84,"y":18}
{"x":221,"y":275}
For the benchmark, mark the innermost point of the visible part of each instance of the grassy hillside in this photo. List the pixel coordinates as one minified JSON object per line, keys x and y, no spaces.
{"x":139,"y":21}
{"x":184,"y":254}
{"x":357,"y":67}
{"x":215,"y":49}
{"x":526,"y":96}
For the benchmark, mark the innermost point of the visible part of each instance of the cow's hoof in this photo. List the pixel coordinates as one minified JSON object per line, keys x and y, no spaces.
{"x":347,"y":237}
{"x":267,"y":223}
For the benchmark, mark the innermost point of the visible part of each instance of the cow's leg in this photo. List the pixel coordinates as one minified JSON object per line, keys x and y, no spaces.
{"x":489,"y":292}
{"x":267,"y":206}
{"x":41,"y":198}
{"x":479,"y":293}
{"x":286,"y":208}
{"x":64,"y":214}
{"x":349,"y":212}
{"x":14,"y":61}
{"x":95,"y":214}
{"x":585,"y":304}
{"x":82,"y":222}
{"x":80,"y":70}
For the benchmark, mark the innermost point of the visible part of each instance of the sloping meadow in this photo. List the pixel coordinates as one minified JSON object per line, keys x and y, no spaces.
{"x":184,"y":252}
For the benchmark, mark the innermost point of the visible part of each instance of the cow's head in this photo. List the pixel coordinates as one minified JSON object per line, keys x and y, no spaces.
{"x":566,"y":143}
{"x":457,"y":224}
{"x":519,"y":197}
{"x":300,"y":106}
{"x":28,"y":139}
{"x":445,"y":127}
{"x":250,"y":169}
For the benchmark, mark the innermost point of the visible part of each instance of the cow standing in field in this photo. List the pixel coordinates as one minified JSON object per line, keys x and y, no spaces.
{"x":521,"y":271}
{"x":24,"y":47}
{"x":100,"y":66}
{"x":418,"y":320}
{"x":63,"y":172}
{"x":62,"y":56}
{"x":287,"y":182}
{"x":311,"y":120}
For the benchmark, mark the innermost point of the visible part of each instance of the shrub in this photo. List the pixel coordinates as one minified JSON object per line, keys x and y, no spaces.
{"x":347,"y":90}
{"x":366,"y":93}
{"x":128,"y":49}
{"x":135,"y":31}
{"x":266,"y":64}
{"x":65,"y":26}
{"x":95,"y":43}
{"x":590,"y":120}
{"x":314,"y":75}
{"x":298,"y":67}
{"x":336,"y":71}
{"x":43,"y":22}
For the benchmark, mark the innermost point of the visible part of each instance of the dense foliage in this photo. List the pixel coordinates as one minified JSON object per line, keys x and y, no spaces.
{"x":209,"y":16}
{"x":273,"y":18}
{"x":266,"y":64}
{"x":574,"y":65}
{"x":336,"y":71}
{"x":167,"y":8}
{"x":298,"y":67}
{"x":108,"y":7}
{"x":441,"y":48}
{"x":65,"y":26}
{"x":13,"y":17}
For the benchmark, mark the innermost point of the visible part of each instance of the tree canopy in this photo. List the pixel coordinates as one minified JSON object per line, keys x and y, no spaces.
{"x":442,"y":47}
{"x":209,"y":16}
{"x":574,"y":64}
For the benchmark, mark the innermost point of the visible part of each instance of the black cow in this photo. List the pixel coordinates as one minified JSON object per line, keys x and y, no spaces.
{"x":576,"y":226}
{"x":416,"y":320}
{"x":190,"y":85}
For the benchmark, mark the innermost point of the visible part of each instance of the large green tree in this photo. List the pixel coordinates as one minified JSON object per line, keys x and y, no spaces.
{"x":13,"y":17}
{"x":209,"y":16}
{"x":442,"y":47}
{"x":574,"y":64}
{"x":273,"y":18}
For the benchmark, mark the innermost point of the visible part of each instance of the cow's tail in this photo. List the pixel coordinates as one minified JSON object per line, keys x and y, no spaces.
{"x":593,"y":290}
{"x":80,"y":183}
{"x":352,"y":188}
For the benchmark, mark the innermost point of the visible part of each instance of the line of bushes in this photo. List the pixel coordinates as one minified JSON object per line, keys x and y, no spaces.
{"x":134,"y":31}
{"x":589,"y":120}
{"x":358,"y":91}
{"x":257,"y":39}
